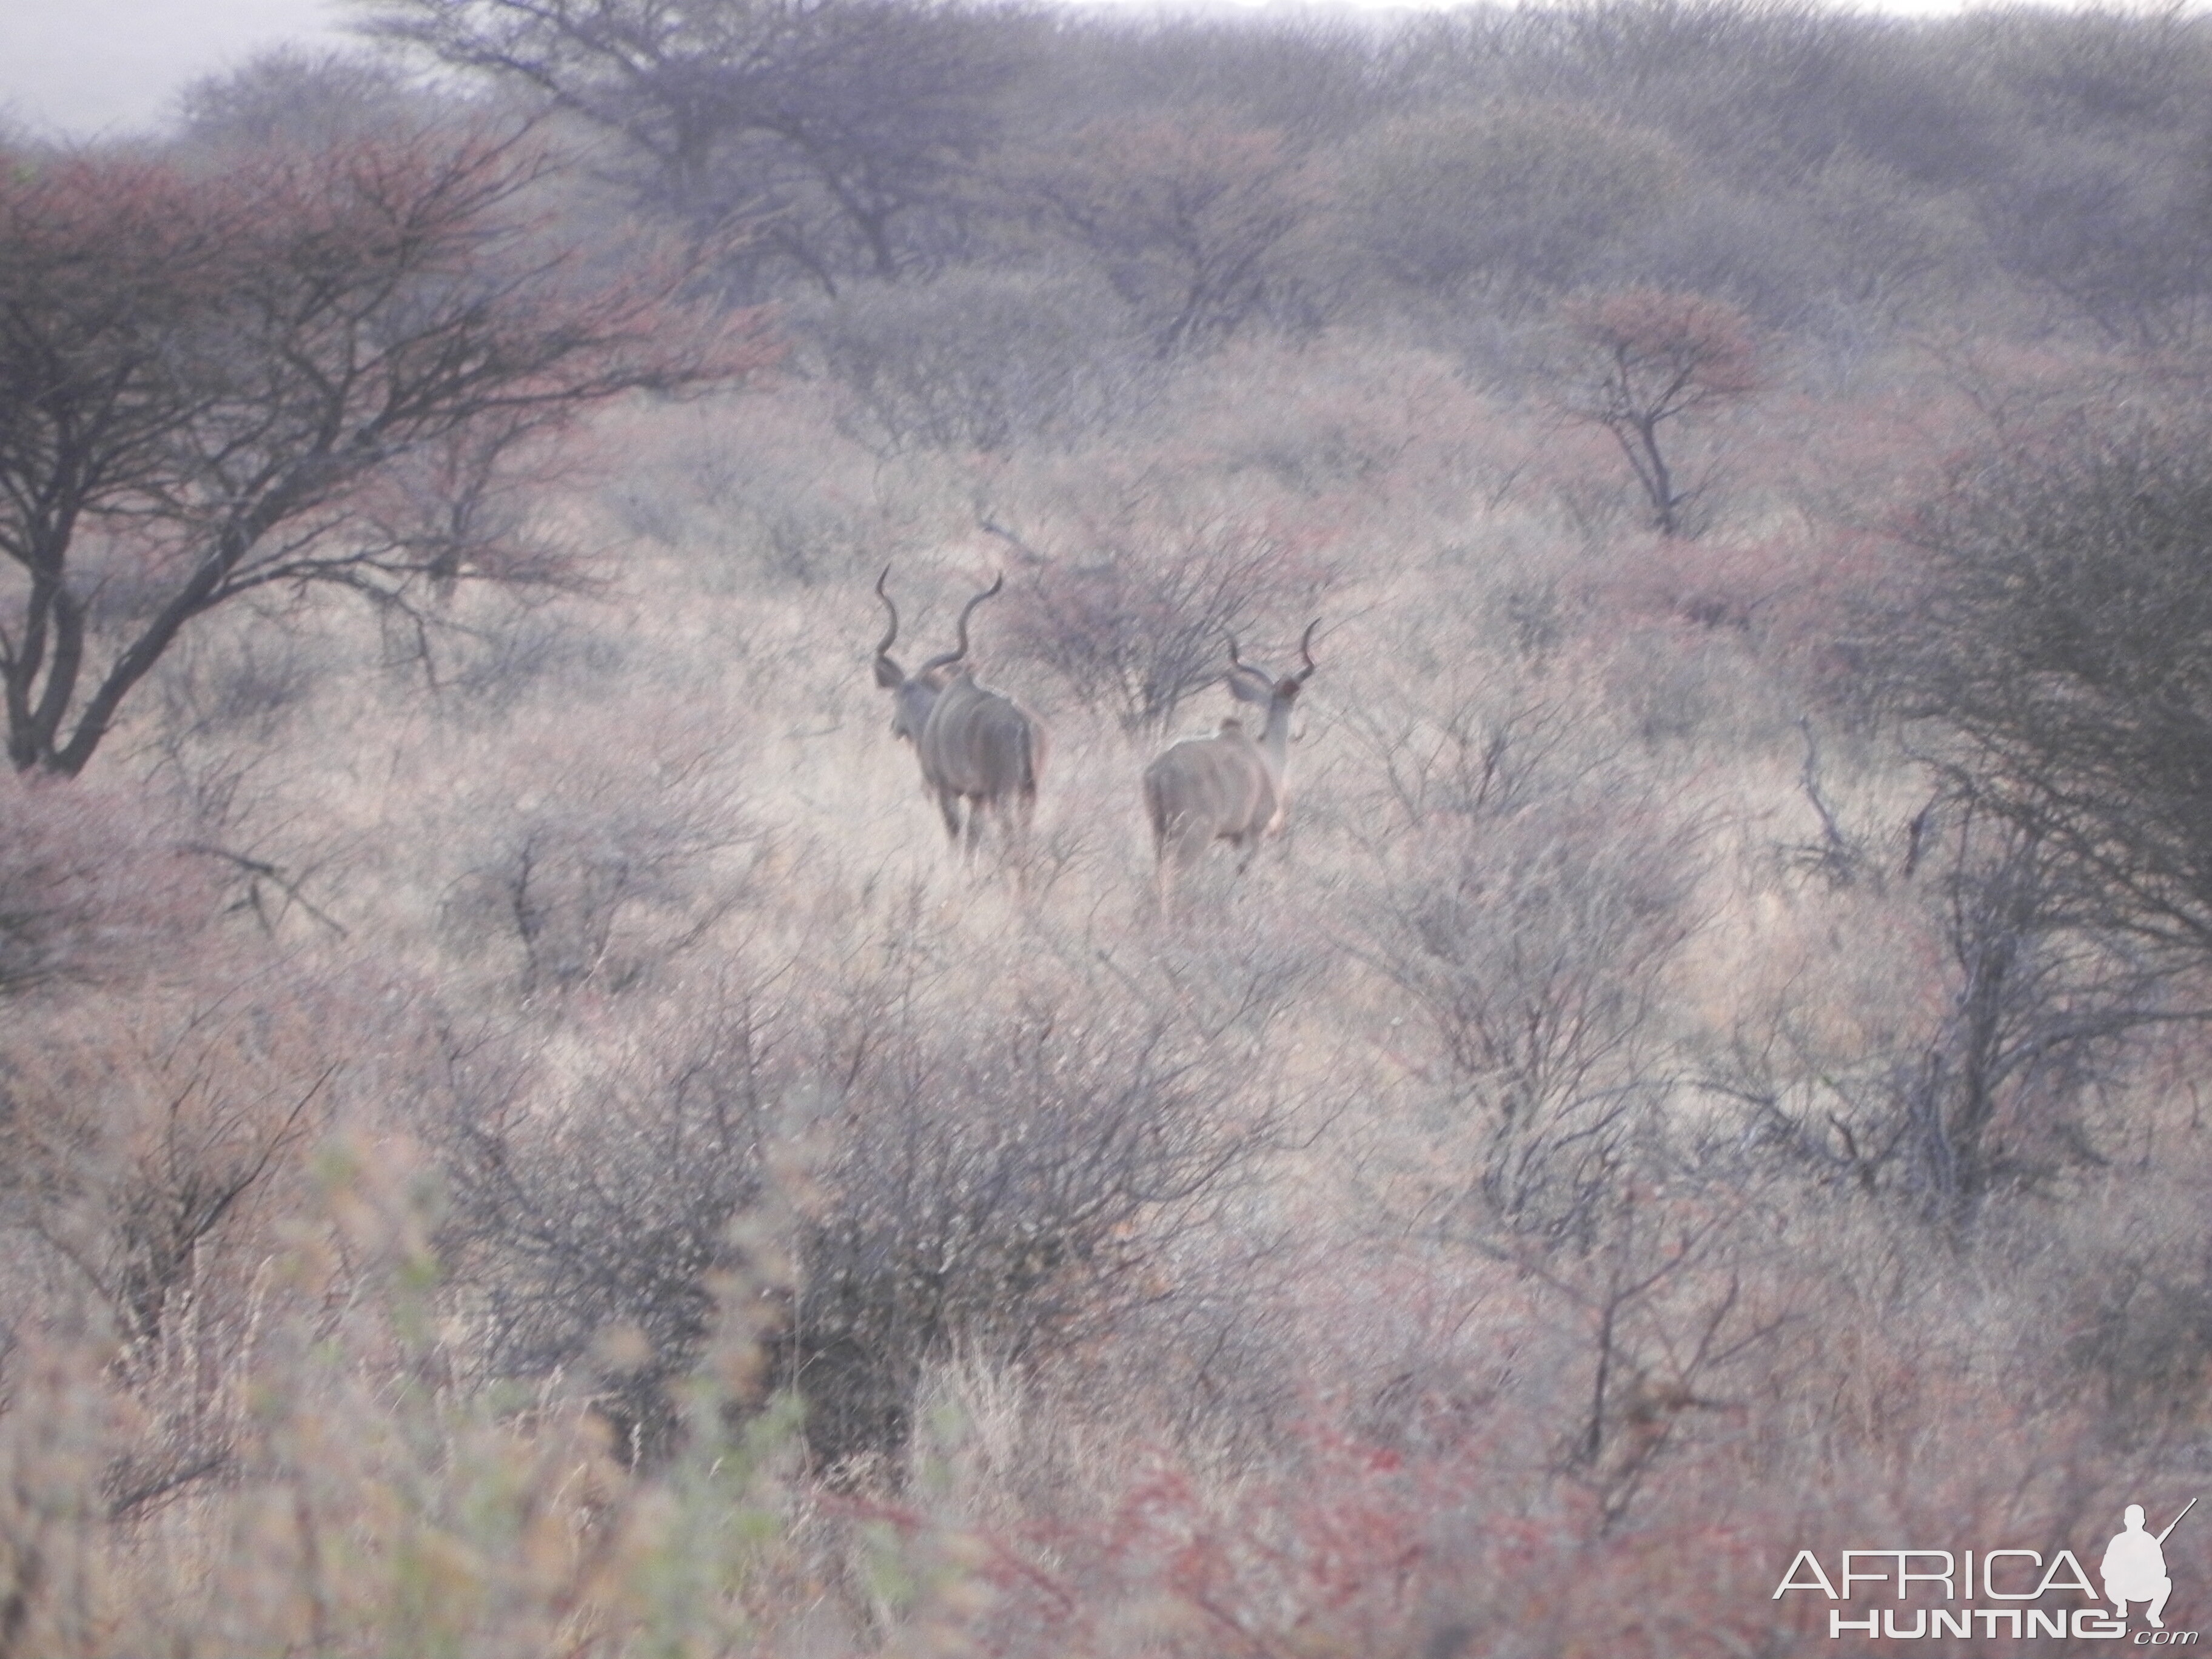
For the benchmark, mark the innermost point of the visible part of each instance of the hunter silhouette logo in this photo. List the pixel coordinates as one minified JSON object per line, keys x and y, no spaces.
{"x":2134,"y":1568}
{"x":2015,"y":1593}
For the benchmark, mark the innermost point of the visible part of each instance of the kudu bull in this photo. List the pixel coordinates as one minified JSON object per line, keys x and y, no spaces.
{"x":1227,"y":786}
{"x":974,"y":746}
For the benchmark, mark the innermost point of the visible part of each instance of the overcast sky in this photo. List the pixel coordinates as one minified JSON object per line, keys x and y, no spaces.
{"x":88,"y":68}
{"x":82,"y":68}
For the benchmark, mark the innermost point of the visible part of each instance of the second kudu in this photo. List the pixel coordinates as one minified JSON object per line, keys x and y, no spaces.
{"x":976,"y":747}
{"x":1229,"y":786}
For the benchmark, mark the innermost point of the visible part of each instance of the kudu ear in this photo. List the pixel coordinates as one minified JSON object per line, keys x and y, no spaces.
{"x":888,"y":674}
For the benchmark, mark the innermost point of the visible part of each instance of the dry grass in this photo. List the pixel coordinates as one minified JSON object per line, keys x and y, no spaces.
{"x":1346,"y":1404}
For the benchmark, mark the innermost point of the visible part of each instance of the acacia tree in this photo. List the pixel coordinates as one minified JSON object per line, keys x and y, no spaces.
{"x":1647,"y":359}
{"x":1514,"y":201}
{"x":287,"y":96}
{"x":2051,"y":649}
{"x":821,"y":127}
{"x":1187,"y":218}
{"x":1139,"y":621}
{"x":299,"y":373}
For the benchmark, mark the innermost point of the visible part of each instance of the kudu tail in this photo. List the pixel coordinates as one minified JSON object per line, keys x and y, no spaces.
{"x":1028,"y":764}
{"x":1031,"y":759}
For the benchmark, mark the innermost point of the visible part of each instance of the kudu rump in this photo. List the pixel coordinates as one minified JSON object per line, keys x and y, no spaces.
{"x":974,"y":746}
{"x":1227,"y":786}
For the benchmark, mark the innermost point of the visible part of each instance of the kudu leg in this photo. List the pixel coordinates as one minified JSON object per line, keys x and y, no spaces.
{"x":1020,"y":817}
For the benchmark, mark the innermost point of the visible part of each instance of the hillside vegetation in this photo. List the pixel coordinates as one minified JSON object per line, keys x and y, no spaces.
{"x":519,"y":1136}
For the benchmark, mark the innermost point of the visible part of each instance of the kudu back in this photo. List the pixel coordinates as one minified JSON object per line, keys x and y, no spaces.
{"x":981,"y":751}
{"x":1230,"y":786}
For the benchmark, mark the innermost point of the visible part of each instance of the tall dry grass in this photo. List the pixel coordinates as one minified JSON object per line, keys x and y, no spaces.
{"x":572,"y":1163}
